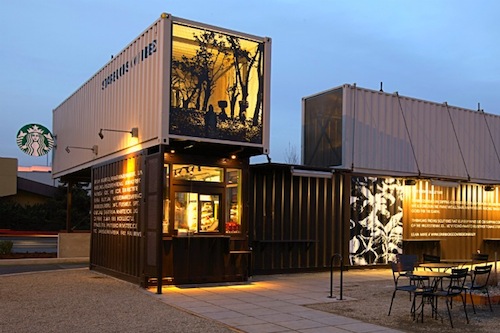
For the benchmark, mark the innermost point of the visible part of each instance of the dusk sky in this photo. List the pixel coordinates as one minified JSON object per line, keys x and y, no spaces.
{"x":436,"y":50}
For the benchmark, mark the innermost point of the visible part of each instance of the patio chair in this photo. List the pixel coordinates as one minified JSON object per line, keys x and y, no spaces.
{"x":402,"y":274}
{"x":480,"y":277}
{"x":407,"y":263}
{"x":455,"y":288}
{"x":431,"y":258}
{"x":479,"y":258}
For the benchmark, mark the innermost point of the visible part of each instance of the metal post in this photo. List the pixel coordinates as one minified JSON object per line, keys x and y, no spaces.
{"x":341,"y":274}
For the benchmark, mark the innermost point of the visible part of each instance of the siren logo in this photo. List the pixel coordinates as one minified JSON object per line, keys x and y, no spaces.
{"x":35,"y":140}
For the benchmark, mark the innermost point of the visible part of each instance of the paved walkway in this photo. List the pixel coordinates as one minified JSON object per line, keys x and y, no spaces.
{"x":274,"y":303}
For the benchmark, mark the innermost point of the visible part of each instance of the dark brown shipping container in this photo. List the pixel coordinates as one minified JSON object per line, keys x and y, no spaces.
{"x":296,"y":222}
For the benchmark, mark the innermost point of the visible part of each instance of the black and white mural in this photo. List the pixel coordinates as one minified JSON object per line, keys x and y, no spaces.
{"x":376,"y":223}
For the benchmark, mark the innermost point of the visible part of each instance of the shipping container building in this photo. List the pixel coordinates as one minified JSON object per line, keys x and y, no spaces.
{"x":423,"y":176}
{"x":164,"y":133}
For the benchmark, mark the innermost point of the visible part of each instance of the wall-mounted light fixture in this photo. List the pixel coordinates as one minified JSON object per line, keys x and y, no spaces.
{"x":93,"y":148}
{"x":234,"y":155}
{"x":489,"y":188}
{"x":410,"y":182}
{"x":134,"y":132}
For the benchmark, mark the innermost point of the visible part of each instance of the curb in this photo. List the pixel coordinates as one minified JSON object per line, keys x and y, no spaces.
{"x":43,"y":261}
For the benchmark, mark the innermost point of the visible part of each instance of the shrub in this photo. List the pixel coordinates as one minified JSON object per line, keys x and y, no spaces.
{"x":6,"y":247}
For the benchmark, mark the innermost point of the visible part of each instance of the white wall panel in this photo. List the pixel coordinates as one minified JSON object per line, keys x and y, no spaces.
{"x":125,"y":93}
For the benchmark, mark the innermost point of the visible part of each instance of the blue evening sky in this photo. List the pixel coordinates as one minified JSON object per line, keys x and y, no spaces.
{"x":437,"y":50}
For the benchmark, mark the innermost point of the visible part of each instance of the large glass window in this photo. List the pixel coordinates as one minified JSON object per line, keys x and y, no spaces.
{"x":323,"y":135}
{"x":198,"y":173}
{"x":202,"y":199}
{"x":216,"y":85}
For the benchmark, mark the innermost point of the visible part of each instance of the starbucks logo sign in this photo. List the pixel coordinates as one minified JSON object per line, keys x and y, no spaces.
{"x":35,"y":140}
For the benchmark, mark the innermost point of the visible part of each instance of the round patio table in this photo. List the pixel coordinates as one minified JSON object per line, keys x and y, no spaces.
{"x":438,"y":266}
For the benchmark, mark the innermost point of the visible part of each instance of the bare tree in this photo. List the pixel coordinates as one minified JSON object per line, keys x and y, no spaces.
{"x":243,"y":63}
{"x":291,"y":155}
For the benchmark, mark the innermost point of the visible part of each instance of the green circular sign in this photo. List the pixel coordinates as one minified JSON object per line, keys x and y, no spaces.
{"x":35,"y":140}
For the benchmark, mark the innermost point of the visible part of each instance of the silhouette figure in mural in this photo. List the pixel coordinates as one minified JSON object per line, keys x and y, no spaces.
{"x":210,"y":122}
{"x":223,"y":114}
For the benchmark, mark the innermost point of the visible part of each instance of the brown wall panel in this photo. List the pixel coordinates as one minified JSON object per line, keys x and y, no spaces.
{"x":116,"y":206}
{"x":293,"y":220}
{"x":459,"y":217}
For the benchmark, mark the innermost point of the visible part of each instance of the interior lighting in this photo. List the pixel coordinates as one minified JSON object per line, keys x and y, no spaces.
{"x":134,"y":132}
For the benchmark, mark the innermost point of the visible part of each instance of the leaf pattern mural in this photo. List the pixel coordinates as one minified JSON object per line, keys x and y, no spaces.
{"x":376,"y":223}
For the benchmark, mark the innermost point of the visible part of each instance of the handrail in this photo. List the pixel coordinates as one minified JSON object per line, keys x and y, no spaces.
{"x":341,"y":274}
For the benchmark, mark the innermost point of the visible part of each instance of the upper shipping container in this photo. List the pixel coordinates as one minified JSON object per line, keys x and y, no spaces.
{"x":378,"y":133}
{"x":178,"y":80}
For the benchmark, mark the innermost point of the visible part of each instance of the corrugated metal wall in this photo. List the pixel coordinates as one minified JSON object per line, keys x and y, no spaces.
{"x":115,"y":245}
{"x":461,"y":217}
{"x":127,"y":92}
{"x":479,"y":137}
{"x":398,"y":135}
{"x":295,"y":221}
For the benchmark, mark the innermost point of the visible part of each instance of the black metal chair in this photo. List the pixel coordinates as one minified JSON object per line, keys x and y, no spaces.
{"x":480,"y":277}
{"x":402,"y":270}
{"x":431,"y":258}
{"x":455,"y":288}
{"x":479,"y":258}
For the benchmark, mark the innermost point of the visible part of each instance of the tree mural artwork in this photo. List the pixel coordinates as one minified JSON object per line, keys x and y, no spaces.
{"x":216,"y":86}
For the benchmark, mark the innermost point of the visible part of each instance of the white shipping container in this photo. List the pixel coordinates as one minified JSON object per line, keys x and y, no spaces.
{"x":134,"y":91}
{"x":388,"y":134}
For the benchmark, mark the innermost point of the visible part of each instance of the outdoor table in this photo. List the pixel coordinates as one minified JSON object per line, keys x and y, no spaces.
{"x":457,"y":262}
{"x":432,"y":274}
{"x":438,"y":265}
{"x":436,"y":278}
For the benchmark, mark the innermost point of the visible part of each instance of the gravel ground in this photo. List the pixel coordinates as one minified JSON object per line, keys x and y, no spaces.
{"x":86,"y":301}
{"x":371,"y":304}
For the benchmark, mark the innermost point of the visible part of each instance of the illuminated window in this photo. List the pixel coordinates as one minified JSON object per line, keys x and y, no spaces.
{"x":233,"y":201}
{"x":195,"y":212}
{"x":216,"y":85}
{"x":198,"y":173}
